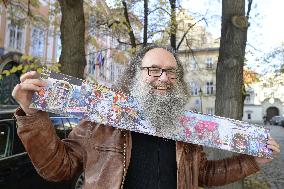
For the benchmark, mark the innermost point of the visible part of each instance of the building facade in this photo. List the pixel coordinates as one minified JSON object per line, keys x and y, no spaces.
{"x":35,"y":36}
{"x":109,"y":55}
{"x":198,"y":53}
{"x":264,"y":99}
{"x":25,"y":30}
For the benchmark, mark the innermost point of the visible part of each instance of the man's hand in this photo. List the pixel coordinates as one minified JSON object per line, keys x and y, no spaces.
{"x":274,"y":146}
{"x":23,"y":92}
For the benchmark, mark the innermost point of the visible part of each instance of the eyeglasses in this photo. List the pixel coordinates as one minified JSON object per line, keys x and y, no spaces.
{"x":157,"y":72}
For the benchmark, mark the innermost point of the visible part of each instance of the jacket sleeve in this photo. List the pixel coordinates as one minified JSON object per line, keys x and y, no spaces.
{"x":54,"y":160}
{"x":225,"y":171}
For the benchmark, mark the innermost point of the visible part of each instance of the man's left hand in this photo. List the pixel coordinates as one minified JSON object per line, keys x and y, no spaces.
{"x":274,"y":146}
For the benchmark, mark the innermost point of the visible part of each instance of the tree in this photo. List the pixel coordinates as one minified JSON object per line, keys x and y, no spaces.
{"x":173,"y":24}
{"x":274,"y":60}
{"x":128,"y":25}
{"x":72,"y":30}
{"x":145,"y":31}
{"x":229,"y":74}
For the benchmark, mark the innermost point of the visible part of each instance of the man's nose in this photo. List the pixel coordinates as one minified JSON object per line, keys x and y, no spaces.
{"x":164,"y":77}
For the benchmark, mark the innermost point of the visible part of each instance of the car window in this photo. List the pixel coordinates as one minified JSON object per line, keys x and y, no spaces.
{"x":66,"y":124}
{"x":59,"y":127}
{"x":5,"y":131}
{"x":57,"y":122}
{"x":70,"y":123}
{"x":73,"y":122}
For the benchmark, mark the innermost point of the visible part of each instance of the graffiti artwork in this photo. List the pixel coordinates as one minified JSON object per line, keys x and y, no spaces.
{"x":70,"y":96}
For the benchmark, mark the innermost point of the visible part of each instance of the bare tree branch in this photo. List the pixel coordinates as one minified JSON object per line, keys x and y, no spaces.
{"x":249,"y":8}
{"x":160,"y":8}
{"x":184,"y":35}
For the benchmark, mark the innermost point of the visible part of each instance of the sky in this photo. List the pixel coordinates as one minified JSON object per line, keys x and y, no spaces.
{"x":265,"y":32}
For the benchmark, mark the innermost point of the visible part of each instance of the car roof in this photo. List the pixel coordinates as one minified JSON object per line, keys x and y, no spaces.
{"x":4,"y":109}
{"x":7,"y":111}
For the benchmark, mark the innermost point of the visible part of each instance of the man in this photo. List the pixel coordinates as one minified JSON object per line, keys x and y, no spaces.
{"x":114,"y":158}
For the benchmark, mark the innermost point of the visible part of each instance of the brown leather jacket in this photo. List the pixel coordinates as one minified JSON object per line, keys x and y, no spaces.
{"x":103,"y":152}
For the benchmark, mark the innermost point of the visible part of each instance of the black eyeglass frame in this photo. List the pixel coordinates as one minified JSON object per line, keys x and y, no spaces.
{"x":162,"y":71}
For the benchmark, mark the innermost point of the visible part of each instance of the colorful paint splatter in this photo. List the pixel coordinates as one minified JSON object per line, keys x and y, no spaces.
{"x":70,"y":96}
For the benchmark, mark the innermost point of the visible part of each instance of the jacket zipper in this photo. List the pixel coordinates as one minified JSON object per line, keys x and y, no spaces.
{"x":124,"y":162}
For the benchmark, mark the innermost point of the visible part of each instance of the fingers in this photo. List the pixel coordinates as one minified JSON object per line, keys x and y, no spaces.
{"x":273,"y":145}
{"x":30,"y":75}
{"x":30,"y":87}
{"x":16,"y":88}
{"x":36,"y":82}
{"x":275,"y":150}
{"x":271,"y":141}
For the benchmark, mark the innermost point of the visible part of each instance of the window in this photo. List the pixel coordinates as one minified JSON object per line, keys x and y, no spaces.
{"x":111,"y":72}
{"x":119,"y":72}
{"x":4,"y":139}
{"x":197,"y":105}
{"x":57,"y":122}
{"x":7,"y":147}
{"x":210,"y":111}
{"x":248,"y":99}
{"x":73,"y":122}
{"x":91,"y":24}
{"x":266,"y":95}
{"x":100,"y":60}
{"x":209,"y":88}
{"x":194,"y":65}
{"x":197,"y":102}
{"x":102,"y":71}
{"x":113,"y":42}
{"x":58,"y":47}
{"x":194,"y":88}
{"x":38,"y":39}
{"x":59,"y":127}
{"x":15,"y":35}
{"x":209,"y":63}
{"x":249,"y":115}
{"x":91,"y":63}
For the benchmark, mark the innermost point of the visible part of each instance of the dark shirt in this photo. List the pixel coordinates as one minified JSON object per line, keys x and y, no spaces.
{"x":152,"y":164}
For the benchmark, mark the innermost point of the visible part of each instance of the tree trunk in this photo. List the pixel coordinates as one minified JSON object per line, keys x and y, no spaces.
{"x":130,"y":30}
{"x":72,"y":29}
{"x":173,"y":26}
{"x":229,"y":75}
{"x":146,"y":10}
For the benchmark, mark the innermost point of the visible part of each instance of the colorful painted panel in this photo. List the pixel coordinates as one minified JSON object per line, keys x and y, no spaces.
{"x":70,"y":96}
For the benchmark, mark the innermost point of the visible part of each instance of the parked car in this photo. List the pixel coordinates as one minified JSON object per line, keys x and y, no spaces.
{"x":277,"y":120}
{"x":16,"y":169}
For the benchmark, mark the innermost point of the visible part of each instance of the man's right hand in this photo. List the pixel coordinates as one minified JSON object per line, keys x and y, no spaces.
{"x":23,"y":92}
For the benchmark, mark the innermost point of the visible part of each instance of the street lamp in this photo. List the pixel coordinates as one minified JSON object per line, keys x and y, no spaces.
{"x":200,"y":95}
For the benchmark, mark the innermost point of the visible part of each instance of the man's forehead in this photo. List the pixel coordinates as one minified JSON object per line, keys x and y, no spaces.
{"x":159,"y":57}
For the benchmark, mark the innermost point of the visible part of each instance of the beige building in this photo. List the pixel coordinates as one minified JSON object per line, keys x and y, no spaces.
{"x":22,"y":34}
{"x":199,"y":53}
{"x":30,"y":36}
{"x":200,"y":75}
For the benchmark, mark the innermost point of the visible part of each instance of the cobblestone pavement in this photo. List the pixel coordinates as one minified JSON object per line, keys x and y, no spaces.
{"x":271,"y":175}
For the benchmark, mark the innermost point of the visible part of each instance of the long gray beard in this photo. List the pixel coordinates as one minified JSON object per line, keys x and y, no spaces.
{"x":162,"y":110}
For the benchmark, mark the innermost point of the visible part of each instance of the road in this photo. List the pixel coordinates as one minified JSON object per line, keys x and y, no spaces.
{"x":271,"y":175}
